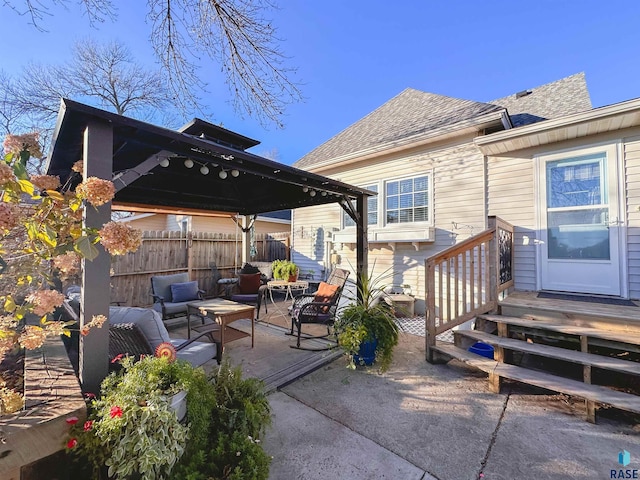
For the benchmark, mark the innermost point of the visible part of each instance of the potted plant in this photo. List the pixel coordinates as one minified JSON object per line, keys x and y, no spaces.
{"x":367,"y":329}
{"x":285,"y":270}
{"x":133,"y":430}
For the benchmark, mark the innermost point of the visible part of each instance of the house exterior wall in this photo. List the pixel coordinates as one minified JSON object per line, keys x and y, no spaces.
{"x":151,"y":223}
{"x":511,"y":195}
{"x":159,"y":222}
{"x":457,"y":171}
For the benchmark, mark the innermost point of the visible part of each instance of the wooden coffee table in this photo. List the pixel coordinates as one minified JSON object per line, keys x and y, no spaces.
{"x":222,"y":312}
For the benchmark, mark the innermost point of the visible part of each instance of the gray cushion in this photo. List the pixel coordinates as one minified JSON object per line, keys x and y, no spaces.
{"x":161,"y":284}
{"x":197,"y":353}
{"x":184,"y":291}
{"x":149,"y":321}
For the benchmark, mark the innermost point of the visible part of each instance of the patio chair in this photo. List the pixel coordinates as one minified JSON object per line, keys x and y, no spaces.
{"x":319,"y":308}
{"x":139,"y":331}
{"x":172,"y":293}
{"x":250,"y":290}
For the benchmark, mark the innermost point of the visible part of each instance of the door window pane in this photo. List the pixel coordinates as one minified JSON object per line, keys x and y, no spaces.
{"x":578,"y":234}
{"x":576,"y":182}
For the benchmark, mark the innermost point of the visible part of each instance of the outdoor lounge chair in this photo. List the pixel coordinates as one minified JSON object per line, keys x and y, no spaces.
{"x":172,"y":293}
{"x":319,"y":308}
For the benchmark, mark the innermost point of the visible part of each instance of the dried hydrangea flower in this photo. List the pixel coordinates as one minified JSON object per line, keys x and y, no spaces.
{"x":9,"y":216}
{"x":28,"y":141}
{"x":68,"y":263}
{"x":45,"y":182}
{"x":6,"y":174}
{"x":32,"y":337}
{"x":45,"y":301}
{"x":96,"y":191}
{"x":78,"y":167}
{"x":118,"y":238}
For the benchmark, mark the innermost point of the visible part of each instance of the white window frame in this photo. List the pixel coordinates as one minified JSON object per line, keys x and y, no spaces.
{"x":377,"y":199}
{"x":430,"y":209}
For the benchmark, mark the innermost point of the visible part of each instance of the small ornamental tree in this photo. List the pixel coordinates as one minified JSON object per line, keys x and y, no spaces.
{"x":41,"y":243}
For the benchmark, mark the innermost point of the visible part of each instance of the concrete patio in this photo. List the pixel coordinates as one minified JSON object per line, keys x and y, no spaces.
{"x":422,"y":421}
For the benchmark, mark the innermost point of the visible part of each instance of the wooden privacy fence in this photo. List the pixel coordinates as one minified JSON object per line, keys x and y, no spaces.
{"x":167,"y":252}
{"x":465,"y":280}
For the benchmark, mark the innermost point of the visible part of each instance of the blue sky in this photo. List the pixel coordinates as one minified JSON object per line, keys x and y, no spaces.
{"x":352,"y":56}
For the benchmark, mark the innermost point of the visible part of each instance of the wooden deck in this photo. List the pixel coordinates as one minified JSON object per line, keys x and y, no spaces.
{"x":556,"y":340}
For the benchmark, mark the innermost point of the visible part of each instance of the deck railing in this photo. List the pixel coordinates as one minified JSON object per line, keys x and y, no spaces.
{"x":465,"y":280}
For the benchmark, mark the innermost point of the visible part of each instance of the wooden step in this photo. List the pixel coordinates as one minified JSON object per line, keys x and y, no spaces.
{"x":621,"y":337}
{"x":596,"y":393}
{"x":598,"y":361}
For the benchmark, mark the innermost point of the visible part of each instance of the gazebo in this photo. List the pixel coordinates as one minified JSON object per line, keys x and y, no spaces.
{"x":199,"y":169}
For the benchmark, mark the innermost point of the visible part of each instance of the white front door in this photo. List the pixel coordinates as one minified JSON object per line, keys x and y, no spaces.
{"x":580,"y":222}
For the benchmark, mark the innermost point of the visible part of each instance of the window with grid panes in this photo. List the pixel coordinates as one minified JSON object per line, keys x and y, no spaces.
{"x":407,"y":200}
{"x":372,"y":204}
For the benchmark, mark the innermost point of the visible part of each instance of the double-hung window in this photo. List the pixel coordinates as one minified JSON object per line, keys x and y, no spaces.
{"x":372,"y":207}
{"x":407,"y":200}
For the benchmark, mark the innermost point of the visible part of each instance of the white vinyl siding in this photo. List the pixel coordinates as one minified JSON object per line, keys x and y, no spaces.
{"x":632,"y":185}
{"x":457,"y":195}
{"x":510,"y":194}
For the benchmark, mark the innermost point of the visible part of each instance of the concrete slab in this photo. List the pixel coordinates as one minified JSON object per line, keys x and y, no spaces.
{"x":306,"y":444}
{"x":543,"y":436}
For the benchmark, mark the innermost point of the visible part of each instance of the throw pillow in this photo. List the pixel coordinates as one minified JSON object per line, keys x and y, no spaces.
{"x":325,"y":294}
{"x":249,"y":283}
{"x":183,"y":292}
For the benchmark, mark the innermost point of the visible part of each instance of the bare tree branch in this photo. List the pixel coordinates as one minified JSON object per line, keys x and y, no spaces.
{"x":236,"y":34}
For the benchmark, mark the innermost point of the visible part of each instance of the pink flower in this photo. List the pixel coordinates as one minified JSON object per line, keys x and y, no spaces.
{"x":115,"y":411}
{"x":45,"y":301}
{"x":166,"y":350}
{"x":72,"y":420}
{"x":117,"y":358}
{"x":88,"y":425}
{"x":90,"y":395}
{"x":72,"y":443}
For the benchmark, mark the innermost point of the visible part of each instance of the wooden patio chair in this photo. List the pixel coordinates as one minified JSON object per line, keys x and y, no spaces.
{"x":318,"y":308}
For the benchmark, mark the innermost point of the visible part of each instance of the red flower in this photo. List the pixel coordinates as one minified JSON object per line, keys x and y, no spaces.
{"x":115,"y":411}
{"x":117,"y":358}
{"x":88,"y":425}
{"x":90,"y":395}
{"x":72,"y":420}
{"x":72,"y":443}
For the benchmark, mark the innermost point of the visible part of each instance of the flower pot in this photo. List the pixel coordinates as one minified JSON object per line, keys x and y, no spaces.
{"x":178,"y":403}
{"x":293,"y":278}
{"x":367,"y":353}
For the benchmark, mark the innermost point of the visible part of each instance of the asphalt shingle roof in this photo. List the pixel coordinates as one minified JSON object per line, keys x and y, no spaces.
{"x":409,"y":113}
{"x":556,"y":99}
{"x":413,"y":112}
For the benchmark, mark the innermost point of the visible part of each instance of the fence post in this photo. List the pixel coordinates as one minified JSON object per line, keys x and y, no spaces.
{"x":190,"y":254}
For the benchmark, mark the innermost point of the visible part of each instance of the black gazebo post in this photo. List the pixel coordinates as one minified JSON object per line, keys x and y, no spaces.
{"x":94,"y":348}
{"x":362,"y":241}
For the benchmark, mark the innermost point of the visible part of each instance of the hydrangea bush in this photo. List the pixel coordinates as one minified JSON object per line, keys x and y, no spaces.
{"x":41,"y":243}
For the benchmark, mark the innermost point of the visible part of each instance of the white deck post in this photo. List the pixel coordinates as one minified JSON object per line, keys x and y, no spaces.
{"x":94,"y":348}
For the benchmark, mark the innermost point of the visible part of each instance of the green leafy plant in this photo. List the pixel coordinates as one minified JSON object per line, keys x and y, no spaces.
{"x":231,"y":449}
{"x":283,"y":269}
{"x":132,"y":429}
{"x":369,"y":318}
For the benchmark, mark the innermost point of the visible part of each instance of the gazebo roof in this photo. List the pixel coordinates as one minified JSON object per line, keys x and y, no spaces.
{"x":140,"y":149}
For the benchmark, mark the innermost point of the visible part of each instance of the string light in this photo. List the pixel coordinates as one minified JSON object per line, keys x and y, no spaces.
{"x":305,"y":189}
{"x":204,"y":170}
{"x":235,"y":173}
{"x":188,"y":163}
{"x":222,"y":174}
{"x":312,"y":193}
{"x":164,"y":162}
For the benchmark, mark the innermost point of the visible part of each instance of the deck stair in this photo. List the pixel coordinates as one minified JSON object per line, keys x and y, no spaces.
{"x":553,"y":340}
